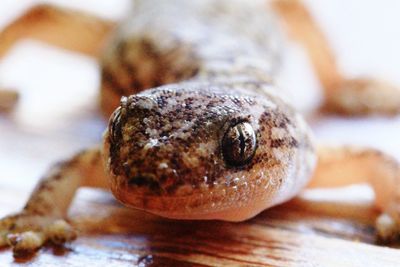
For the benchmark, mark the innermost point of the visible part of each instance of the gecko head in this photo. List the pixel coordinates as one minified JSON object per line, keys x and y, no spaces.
{"x":202,"y":153}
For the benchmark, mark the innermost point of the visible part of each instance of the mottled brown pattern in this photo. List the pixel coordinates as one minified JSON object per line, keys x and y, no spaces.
{"x":165,"y":144}
{"x":201,"y":39}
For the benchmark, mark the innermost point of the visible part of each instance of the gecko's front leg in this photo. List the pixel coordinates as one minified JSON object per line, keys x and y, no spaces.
{"x":43,"y":217}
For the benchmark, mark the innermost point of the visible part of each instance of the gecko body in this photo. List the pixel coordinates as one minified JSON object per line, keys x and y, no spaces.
{"x":198,"y":127}
{"x":170,"y":149}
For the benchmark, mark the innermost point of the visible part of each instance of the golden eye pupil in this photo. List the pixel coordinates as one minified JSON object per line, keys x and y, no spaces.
{"x":239,"y":144}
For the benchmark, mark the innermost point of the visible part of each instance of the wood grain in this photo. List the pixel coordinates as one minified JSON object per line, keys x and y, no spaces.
{"x":301,"y":233}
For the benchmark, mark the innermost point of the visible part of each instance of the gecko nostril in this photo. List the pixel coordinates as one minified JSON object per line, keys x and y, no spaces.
{"x":142,"y":102}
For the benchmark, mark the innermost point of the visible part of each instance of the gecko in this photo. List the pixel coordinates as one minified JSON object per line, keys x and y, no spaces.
{"x":198,"y":127}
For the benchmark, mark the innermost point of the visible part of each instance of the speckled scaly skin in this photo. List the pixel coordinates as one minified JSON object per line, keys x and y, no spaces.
{"x":164,"y":150}
{"x":166,"y":42}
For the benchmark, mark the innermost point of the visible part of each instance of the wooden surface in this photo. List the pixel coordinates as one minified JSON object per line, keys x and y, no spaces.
{"x":301,"y":233}
{"x":57,"y":116}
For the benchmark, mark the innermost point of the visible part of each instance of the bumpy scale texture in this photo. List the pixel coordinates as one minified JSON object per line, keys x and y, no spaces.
{"x":164,"y":146}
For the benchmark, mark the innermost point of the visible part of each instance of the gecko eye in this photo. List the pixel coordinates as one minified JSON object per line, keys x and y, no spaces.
{"x":239,"y":144}
{"x":115,"y":124}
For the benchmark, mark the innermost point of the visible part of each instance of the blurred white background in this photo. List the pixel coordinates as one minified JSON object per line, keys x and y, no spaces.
{"x":57,"y":112}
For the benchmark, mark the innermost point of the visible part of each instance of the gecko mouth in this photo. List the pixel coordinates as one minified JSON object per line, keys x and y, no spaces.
{"x":144,"y":181}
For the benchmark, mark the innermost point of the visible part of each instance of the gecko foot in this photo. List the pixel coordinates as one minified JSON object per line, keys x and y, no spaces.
{"x":365,"y":96}
{"x":388,"y":228}
{"x":26,"y":233}
{"x":8,"y":99}
{"x":388,"y":222}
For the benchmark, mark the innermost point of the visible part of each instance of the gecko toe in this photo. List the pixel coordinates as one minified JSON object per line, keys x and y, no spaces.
{"x":387,"y":228}
{"x":26,"y":242}
{"x":3,"y":239}
{"x":26,"y":233}
{"x":60,"y":232}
